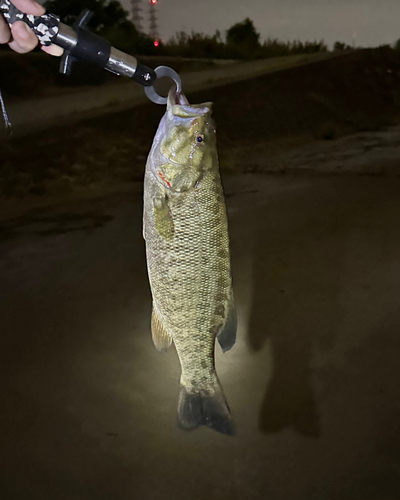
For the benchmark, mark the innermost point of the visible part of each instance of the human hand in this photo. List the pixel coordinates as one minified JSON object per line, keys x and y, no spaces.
{"x":21,"y":38}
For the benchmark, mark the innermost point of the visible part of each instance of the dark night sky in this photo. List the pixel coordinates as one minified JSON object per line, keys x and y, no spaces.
{"x":371,"y":22}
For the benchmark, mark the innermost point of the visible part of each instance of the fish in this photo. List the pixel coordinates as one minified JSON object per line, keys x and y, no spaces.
{"x":185,"y":228}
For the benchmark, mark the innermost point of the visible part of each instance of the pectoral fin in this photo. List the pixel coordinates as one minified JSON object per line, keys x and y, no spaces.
{"x":163,"y":218}
{"x":161,"y":338}
{"x":227,"y":335}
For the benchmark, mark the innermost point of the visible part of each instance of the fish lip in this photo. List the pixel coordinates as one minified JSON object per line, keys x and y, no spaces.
{"x":177,"y":99}
{"x":172,"y":97}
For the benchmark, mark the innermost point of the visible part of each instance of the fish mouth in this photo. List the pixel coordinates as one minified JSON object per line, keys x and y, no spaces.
{"x":176,"y":98}
{"x":181,"y":108}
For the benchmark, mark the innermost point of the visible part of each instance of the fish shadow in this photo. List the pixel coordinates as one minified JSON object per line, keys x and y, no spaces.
{"x":293,"y":307}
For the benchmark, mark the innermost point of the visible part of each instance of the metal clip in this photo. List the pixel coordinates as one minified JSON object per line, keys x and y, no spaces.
{"x":164,"y":71}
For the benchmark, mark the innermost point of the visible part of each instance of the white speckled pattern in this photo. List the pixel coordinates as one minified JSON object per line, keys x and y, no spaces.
{"x":45,"y":27}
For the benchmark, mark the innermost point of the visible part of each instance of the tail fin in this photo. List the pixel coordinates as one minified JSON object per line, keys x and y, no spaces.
{"x":200,"y":408}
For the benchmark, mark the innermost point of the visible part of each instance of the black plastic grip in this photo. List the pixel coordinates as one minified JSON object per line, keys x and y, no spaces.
{"x":91,"y":48}
{"x":144,"y":75}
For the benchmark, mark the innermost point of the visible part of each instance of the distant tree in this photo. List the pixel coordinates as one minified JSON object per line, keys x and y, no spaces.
{"x":243,"y":37}
{"x":196,"y":45}
{"x":109,"y":20}
{"x":106,"y":13}
{"x":340,"y":47}
{"x":397,"y":45}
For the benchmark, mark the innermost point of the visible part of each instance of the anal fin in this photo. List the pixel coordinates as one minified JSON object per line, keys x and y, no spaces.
{"x":161,"y":338}
{"x":227,"y":335}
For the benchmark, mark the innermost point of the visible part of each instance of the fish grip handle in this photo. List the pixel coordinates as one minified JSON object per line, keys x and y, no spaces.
{"x":45,"y":27}
{"x":89,"y":47}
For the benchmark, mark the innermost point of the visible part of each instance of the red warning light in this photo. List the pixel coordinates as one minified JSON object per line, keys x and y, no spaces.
{"x":153,"y":2}
{"x":156,"y":43}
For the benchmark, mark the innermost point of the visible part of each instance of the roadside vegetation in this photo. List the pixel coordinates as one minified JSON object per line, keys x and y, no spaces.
{"x":241,"y":41}
{"x":36,"y":74}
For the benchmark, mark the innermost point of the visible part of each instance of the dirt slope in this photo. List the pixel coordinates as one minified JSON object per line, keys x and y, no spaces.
{"x":359,"y":91}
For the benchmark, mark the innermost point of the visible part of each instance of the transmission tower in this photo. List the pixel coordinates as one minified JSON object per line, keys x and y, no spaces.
{"x":137,"y":14}
{"x":153,"y":27}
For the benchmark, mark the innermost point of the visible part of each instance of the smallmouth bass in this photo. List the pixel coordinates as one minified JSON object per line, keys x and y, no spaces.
{"x":188,"y":257}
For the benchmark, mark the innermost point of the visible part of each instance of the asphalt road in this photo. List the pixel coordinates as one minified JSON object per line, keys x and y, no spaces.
{"x":89,"y":405}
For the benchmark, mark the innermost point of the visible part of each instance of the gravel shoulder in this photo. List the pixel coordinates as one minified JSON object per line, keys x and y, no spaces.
{"x":364,"y":153}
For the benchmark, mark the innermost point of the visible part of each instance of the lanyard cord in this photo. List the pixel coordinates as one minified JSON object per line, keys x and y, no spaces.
{"x":6,"y":119}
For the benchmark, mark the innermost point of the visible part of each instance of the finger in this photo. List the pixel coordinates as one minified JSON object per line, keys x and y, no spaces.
{"x":53,"y":50}
{"x":5,"y":33}
{"x":24,"y":39}
{"x":29,"y":7}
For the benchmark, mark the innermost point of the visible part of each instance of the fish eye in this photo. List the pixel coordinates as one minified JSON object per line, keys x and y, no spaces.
{"x":199,"y":138}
